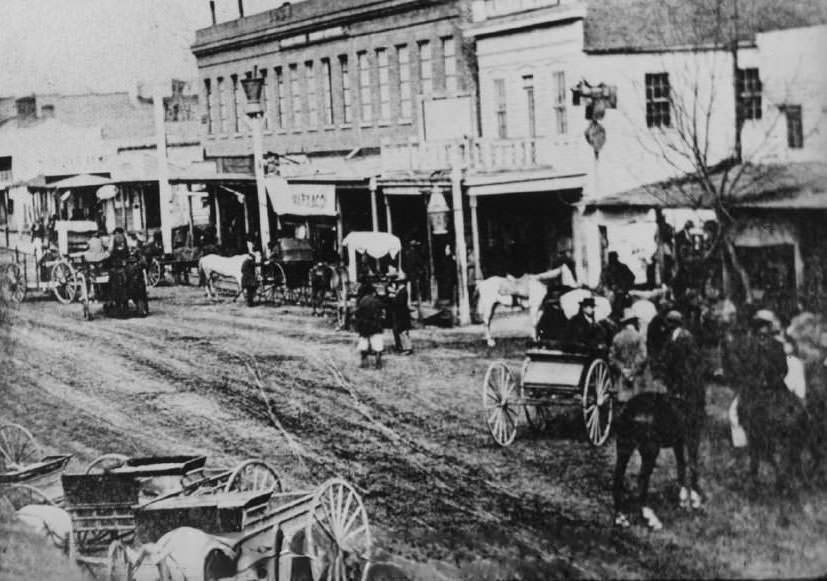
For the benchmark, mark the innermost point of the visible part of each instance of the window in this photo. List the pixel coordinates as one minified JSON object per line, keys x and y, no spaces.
{"x":221,"y":88}
{"x":560,"y":102}
{"x":236,"y":103}
{"x":795,"y":127}
{"x":265,"y":99}
{"x":426,"y":72}
{"x":499,"y":95}
{"x":347,"y":103}
{"x":748,"y":84}
{"x":384,"y":84}
{"x":280,"y":98}
{"x":208,"y":103}
{"x":449,"y":62}
{"x":658,"y":110}
{"x":312,"y":99}
{"x":528,"y":87}
{"x":296,"y":96}
{"x":364,"y":86}
{"x":404,"y":59}
{"x":327,"y":92}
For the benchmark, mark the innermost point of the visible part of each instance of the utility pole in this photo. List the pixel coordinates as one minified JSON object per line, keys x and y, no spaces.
{"x":739,"y":122}
{"x":164,"y":189}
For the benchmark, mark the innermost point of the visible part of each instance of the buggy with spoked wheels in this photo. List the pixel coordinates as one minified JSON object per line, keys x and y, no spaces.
{"x":284,"y":275}
{"x":118,"y":283}
{"x":170,"y":518}
{"x":556,"y":371}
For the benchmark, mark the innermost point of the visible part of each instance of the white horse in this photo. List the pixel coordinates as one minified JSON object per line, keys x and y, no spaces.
{"x":526,"y":291}
{"x":241,"y":268}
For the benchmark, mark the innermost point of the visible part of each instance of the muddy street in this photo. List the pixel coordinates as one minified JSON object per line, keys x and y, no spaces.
{"x":275,"y":383}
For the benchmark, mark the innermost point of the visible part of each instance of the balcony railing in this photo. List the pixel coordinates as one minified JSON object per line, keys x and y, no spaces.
{"x":482,"y":155}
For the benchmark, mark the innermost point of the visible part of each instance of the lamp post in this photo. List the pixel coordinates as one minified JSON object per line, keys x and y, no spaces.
{"x":253,"y":87}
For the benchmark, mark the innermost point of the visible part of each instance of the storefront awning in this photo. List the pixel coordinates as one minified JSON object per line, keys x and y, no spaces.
{"x":301,"y":199}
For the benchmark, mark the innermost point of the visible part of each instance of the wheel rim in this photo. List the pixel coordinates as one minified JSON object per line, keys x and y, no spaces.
{"x":253,"y":475}
{"x":119,"y":566}
{"x":18,"y":448}
{"x":338,"y":534}
{"x":15,"y":283}
{"x":106,"y":463}
{"x":498,"y":403}
{"x":65,"y":283}
{"x":598,"y":402}
{"x":20,"y":495}
{"x":154,"y":272}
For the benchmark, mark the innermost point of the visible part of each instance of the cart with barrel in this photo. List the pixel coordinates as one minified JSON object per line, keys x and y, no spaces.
{"x":171,"y":518}
{"x":556,"y":371}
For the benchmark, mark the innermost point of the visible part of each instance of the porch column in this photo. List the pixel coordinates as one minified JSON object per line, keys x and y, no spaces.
{"x":459,"y":238}
{"x":218,"y":233}
{"x":475,"y":237}
{"x":388,"y":218}
{"x":374,"y":214}
{"x":164,"y":189}
{"x":339,"y":226}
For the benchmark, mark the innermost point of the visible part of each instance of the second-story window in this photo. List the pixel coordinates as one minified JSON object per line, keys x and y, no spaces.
{"x":265,"y":99}
{"x":528,"y":88}
{"x":236,"y":104}
{"x":449,"y":64}
{"x":208,"y":102}
{"x":426,"y":70}
{"x":280,"y":99}
{"x":795,"y":126}
{"x":296,"y":96}
{"x":500,"y":108}
{"x":748,"y":84}
{"x":312,"y":98}
{"x":384,"y":84}
{"x":404,"y":59}
{"x":658,"y":100}
{"x":221,"y":89}
{"x":364,"y":87}
{"x":347,"y":97}
{"x":327,"y":91}
{"x":560,"y":102}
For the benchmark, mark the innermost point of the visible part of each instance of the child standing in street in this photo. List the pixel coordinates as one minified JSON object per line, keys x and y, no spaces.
{"x":401,"y":316}
{"x":369,"y":317}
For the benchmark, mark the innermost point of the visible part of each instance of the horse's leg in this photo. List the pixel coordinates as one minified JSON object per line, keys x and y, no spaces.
{"x":693,"y":445}
{"x":648,"y":455}
{"x":680,"y":461}
{"x":625,"y":449}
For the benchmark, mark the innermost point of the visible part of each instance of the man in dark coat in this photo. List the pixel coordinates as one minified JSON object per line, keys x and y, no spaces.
{"x":618,"y":279}
{"x":584,"y":329}
{"x":401,"y":316}
{"x":682,"y":362}
{"x":657,"y":335}
{"x":369,"y":316}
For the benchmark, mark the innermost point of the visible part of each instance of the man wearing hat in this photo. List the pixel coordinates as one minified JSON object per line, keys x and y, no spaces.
{"x":627,"y":356}
{"x":369,"y":316}
{"x":583,"y":328}
{"x":682,"y":360}
{"x":401,"y":315}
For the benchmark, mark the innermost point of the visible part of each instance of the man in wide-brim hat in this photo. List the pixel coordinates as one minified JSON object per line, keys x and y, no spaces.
{"x":584,"y":329}
{"x":627,"y":357}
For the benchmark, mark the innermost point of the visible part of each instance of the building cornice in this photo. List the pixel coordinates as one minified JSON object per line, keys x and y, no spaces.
{"x":247,"y":31}
{"x":536,"y":18}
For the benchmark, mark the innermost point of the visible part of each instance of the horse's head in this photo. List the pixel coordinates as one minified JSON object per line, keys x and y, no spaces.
{"x":807,"y":329}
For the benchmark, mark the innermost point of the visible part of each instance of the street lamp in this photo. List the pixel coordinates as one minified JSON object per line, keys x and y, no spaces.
{"x":438,"y":211}
{"x":253,"y":88}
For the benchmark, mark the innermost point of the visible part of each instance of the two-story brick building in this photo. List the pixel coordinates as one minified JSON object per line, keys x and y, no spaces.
{"x":341,"y":77}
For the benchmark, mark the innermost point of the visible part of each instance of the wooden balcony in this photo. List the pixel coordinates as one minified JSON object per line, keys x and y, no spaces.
{"x":482,"y":155}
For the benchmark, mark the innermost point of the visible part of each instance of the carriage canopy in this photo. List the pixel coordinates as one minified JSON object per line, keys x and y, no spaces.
{"x":374,"y":244}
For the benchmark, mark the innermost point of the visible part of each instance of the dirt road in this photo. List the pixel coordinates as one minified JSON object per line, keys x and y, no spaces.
{"x":444,"y":499}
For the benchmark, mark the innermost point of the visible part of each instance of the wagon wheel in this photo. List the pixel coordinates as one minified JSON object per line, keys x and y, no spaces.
{"x":64,"y":282}
{"x":154,"y":272}
{"x":338,"y":534}
{"x":20,"y":495}
{"x":18,"y":448}
{"x":14,"y":283}
{"x":500,"y":403}
{"x":253,"y":475}
{"x":106,"y":463}
{"x":598,"y":402}
{"x":119,"y":565}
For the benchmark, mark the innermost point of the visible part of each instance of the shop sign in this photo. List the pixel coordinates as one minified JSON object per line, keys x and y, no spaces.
{"x":301,"y":199}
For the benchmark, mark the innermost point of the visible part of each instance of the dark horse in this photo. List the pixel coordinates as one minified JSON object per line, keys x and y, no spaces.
{"x":649,"y":422}
{"x":127,"y":282}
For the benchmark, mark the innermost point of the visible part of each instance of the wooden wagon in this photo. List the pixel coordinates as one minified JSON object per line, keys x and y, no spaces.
{"x":556,"y":371}
{"x":225,"y":524}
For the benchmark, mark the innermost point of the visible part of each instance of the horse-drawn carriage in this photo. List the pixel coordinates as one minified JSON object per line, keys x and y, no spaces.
{"x":555,"y":371}
{"x":50,"y":269}
{"x":170,"y":518}
{"x":285,"y":274}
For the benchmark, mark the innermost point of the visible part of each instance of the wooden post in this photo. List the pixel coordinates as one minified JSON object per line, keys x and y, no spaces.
{"x":388,"y":218}
{"x":475,"y":238}
{"x":164,"y":189}
{"x":339,"y":227}
{"x":189,"y":218}
{"x":459,"y":240}
{"x":431,"y":273}
{"x":218,"y":233}
{"x":374,"y":214}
